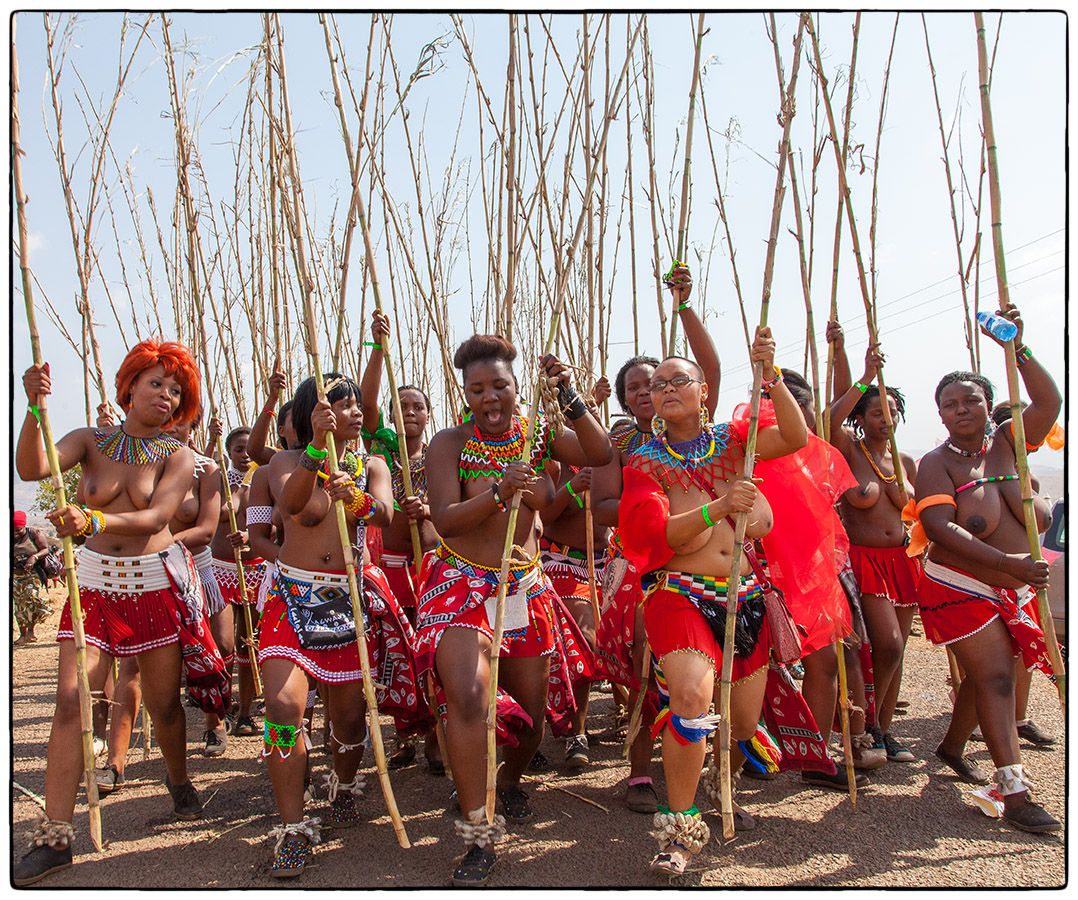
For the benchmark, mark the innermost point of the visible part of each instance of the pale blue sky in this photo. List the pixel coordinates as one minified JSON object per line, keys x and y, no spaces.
{"x":918,"y":293}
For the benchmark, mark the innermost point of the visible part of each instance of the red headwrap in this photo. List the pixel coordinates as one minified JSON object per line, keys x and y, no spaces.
{"x":18,"y":519}
{"x":177,"y":362}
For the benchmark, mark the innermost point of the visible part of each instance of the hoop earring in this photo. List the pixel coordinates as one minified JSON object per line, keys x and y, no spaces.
{"x":658,"y":425}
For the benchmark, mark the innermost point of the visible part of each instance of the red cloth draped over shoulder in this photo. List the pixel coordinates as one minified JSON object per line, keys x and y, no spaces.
{"x":642,"y":516}
{"x":807,"y":546}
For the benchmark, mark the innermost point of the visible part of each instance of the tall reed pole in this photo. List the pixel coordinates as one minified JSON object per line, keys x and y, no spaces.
{"x":1021,"y":456}
{"x":786,"y":114}
{"x":41,"y":406}
{"x":967,"y":320}
{"x":686,"y":168}
{"x":306,"y":287}
{"x":183,"y":162}
{"x":873,"y":336}
{"x":511,"y":180}
{"x":532,"y":425}
{"x":837,"y":248}
{"x":368,"y":261}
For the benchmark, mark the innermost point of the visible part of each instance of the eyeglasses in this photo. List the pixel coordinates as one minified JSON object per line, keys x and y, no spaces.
{"x":678,"y":381}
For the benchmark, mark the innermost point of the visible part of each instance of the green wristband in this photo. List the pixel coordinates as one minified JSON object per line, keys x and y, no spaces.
{"x":316,"y":454}
{"x":34,"y":411}
{"x":574,"y":495}
{"x":683,"y":307}
{"x":861,"y":387}
{"x":372,"y":344}
{"x":707,"y":516}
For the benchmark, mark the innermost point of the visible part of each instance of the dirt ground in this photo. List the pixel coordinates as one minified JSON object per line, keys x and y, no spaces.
{"x":912,"y":826}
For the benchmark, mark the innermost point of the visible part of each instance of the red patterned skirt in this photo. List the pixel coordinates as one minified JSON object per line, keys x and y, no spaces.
{"x":616,"y":635}
{"x":568,"y":576}
{"x":253,"y":572}
{"x":134,"y":604}
{"x":887,"y":572}
{"x":955,"y":606}
{"x":456,"y":593}
{"x":389,"y":642}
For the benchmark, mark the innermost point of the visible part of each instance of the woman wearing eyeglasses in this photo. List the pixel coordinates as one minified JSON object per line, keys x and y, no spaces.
{"x":682,"y":492}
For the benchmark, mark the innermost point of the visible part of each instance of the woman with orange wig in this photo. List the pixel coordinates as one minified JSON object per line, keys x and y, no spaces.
{"x":139,"y":589}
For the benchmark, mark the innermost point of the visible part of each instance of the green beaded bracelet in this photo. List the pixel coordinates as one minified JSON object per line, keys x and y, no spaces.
{"x":707,"y":516}
{"x":861,"y":387}
{"x":314,"y":453}
{"x":574,"y":495}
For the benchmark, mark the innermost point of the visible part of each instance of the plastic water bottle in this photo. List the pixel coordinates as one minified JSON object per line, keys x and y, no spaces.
{"x":999,"y":327}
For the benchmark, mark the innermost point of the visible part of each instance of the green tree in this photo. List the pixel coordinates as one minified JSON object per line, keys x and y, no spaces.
{"x":45,"y":499}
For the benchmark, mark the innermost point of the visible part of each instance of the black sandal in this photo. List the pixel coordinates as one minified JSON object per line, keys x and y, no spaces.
{"x":475,"y":868}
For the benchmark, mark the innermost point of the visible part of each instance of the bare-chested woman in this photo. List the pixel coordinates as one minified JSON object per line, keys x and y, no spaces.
{"x":620,"y":639}
{"x":231,"y":622}
{"x":872,"y":515}
{"x":134,"y":477}
{"x":397,"y":559}
{"x":193,"y":526}
{"x":681,"y":490}
{"x":474,"y":469}
{"x":307,"y":624}
{"x":979,"y":574}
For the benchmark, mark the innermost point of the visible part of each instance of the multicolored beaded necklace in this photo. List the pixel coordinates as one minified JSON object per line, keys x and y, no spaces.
{"x":682,"y":462}
{"x":628,"y":437}
{"x":975,"y":454}
{"x":121,"y":447}
{"x":418,"y":470}
{"x":488,"y":455}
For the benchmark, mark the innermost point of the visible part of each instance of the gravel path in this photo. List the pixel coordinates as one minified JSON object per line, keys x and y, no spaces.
{"x":911,"y":828}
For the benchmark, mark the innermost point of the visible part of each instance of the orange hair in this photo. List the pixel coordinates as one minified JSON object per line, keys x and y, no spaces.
{"x":177,"y":362}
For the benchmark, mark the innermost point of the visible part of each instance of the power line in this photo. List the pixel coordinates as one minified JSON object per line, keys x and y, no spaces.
{"x":928,"y":316}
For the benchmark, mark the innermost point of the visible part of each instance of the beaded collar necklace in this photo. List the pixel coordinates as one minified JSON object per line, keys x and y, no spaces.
{"x":235,"y":477}
{"x":418,"y":469}
{"x":682,"y":462}
{"x":119,"y":446}
{"x":969,"y":454}
{"x":488,"y":455}
{"x":629,"y":437}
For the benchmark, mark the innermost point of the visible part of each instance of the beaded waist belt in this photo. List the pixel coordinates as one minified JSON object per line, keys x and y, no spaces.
{"x":517,"y":572}
{"x":701,"y":587}
{"x":563,"y":549}
{"x":122,"y":574}
{"x":314,"y":578}
{"x":708,"y":595}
